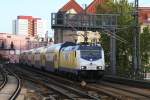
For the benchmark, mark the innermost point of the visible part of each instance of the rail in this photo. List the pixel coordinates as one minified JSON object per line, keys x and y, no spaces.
{"x":126,"y":81}
{"x":70,"y":91}
{"x":4,"y":76}
{"x":18,"y":89}
{"x":11,"y":86}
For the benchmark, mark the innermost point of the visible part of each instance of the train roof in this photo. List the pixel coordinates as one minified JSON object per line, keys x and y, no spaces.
{"x":53,"y":47}
{"x":38,"y":50}
{"x":62,"y":46}
{"x":58,"y":47}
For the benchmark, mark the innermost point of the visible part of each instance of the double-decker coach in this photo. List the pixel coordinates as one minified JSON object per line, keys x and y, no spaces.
{"x":68,"y":58}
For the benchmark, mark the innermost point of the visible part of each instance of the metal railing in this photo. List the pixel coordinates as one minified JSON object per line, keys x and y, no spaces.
{"x":83,"y":20}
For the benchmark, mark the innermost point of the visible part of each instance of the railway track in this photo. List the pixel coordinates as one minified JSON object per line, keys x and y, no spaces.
{"x":121,"y":92}
{"x":65,"y":90}
{"x":102,"y":90}
{"x":4,"y":78}
{"x":11,"y":85}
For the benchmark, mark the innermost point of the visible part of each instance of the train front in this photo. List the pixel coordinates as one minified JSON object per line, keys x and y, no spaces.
{"x":91,"y":61}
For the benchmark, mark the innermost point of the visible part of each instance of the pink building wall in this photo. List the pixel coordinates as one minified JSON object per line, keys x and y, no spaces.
{"x":20,"y":42}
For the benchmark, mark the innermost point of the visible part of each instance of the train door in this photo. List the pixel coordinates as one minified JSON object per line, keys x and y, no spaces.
{"x":43,"y":57}
{"x":55,"y":59}
{"x":32,"y":59}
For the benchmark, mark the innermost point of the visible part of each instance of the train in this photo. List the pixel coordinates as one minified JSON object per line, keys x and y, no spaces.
{"x":75,"y":60}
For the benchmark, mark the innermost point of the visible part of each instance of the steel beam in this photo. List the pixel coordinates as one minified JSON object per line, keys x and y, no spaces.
{"x":113,"y":53}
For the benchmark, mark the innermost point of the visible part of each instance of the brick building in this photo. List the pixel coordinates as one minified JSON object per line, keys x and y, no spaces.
{"x":144,"y":17}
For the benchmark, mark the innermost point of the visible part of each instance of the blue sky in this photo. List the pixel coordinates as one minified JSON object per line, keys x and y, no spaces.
{"x":10,"y":9}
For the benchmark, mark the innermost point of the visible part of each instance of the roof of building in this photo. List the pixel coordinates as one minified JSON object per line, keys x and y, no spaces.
{"x":92,"y":7}
{"x":37,"y":19}
{"x":72,"y":4}
{"x":24,"y":17}
{"x":144,"y":8}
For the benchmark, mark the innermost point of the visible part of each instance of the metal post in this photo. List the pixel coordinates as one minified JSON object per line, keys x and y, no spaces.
{"x":136,"y":40}
{"x":113,"y":53}
{"x":134,"y":50}
{"x":138,"y":36}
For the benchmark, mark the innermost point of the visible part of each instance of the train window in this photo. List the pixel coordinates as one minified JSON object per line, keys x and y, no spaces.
{"x":91,"y":54}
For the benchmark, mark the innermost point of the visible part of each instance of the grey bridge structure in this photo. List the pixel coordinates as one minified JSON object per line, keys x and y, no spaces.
{"x":83,"y":22}
{"x":89,"y":22}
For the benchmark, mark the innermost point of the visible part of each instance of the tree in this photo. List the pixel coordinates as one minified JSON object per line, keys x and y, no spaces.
{"x":125,"y":19}
{"x":145,"y":47}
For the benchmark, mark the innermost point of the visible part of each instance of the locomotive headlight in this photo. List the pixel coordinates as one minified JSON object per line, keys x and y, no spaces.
{"x":99,"y":67}
{"x":83,"y":67}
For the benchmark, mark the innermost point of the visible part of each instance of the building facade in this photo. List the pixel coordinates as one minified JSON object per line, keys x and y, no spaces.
{"x":144,"y":17}
{"x":23,"y":26}
{"x":40,"y":27}
{"x":30,"y":26}
{"x":20,"y":43}
{"x":12,"y":45}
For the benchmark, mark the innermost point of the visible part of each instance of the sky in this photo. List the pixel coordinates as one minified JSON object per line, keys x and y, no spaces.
{"x":10,"y":9}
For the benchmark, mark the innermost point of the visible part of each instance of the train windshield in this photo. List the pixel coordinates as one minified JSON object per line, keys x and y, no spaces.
{"x":91,"y":54}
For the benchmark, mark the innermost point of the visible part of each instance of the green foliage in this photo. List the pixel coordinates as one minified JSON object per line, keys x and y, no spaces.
{"x":145,"y":47}
{"x":124,"y":50}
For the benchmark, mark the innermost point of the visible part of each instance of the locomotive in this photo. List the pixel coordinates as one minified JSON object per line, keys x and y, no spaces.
{"x":86,"y":61}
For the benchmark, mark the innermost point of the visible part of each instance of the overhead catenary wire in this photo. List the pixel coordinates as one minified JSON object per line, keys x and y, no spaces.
{"x":107,"y":32}
{"x":113,"y":35}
